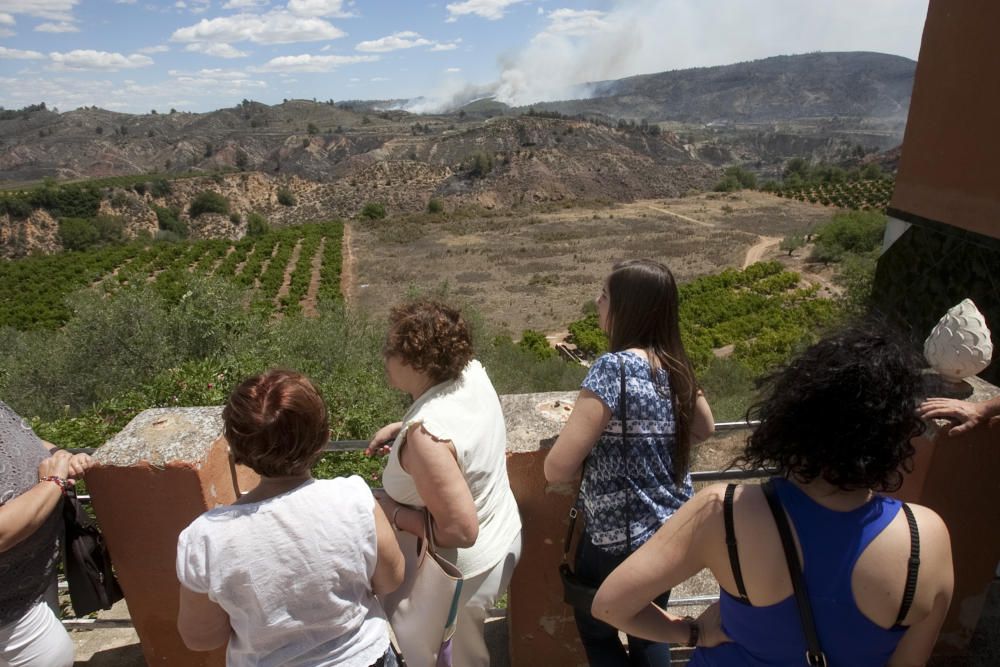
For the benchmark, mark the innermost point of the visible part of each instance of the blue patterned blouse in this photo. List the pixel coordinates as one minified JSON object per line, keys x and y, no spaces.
{"x":648,"y":483}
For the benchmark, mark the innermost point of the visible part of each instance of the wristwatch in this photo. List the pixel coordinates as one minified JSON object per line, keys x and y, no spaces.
{"x":693,"y":632}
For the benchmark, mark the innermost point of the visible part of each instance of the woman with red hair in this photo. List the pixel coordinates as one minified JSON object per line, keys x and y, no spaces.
{"x":288,"y":574}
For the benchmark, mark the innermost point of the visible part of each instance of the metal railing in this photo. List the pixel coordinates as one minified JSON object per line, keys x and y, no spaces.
{"x":697,"y":476}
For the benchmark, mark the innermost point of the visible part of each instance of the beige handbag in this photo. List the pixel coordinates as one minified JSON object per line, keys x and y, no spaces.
{"x":424,"y":609}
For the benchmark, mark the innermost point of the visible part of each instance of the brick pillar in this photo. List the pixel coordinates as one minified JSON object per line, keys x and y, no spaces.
{"x":957,"y":477}
{"x":541,"y":626}
{"x":163,"y":470}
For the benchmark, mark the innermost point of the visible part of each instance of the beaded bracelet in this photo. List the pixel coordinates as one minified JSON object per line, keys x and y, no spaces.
{"x":62,"y":483}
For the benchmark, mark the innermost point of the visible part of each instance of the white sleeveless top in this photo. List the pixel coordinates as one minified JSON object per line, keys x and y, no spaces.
{"x":294,"y":574}
{"x":467,"y":412}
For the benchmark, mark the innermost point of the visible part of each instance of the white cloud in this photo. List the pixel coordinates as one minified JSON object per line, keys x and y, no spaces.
{"x":334,"y":8}
{"x":6,"y":19}
{"x":446,"y":46}
{"x":275,"y":27}
{"x":159,"y":48}
{"x":310,"y":63}
{"x":62,"y":26}
{"x":125,"y":2}
{"x":487,"y":9}
{"x":576,"y":22}
{"x":378,"y":79}
{"x":86,"y":59}
{"x":394,"y":42}
{"x":52,"y":10}
{"x":244,"y":4}
{"x":453,"y":70}
{"x":219,"y":50}
{"x":18,"y":54}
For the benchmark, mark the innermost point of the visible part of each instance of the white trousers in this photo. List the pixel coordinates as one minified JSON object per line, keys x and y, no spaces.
{"x":37,"y":639}
{"x":479,"y":594}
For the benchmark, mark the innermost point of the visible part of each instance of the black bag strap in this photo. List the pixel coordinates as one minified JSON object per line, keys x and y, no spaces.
{"x":734,"y":554}
{"x":623,"y":411}
{"x":912,"y":568}
{"x":573,"y":511}
{"x":814,"y":653}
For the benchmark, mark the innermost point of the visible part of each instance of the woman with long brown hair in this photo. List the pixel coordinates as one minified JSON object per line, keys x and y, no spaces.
{"x":631,"y":485}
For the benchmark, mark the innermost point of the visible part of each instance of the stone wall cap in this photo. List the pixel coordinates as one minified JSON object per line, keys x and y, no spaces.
{"x":534,"y":420}
{"x":160,"y":436}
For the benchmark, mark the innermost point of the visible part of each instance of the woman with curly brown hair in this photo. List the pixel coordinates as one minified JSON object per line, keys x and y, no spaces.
{"x":448,"y":459}
{"x":288,"y":574}
{"x":836,"y":426}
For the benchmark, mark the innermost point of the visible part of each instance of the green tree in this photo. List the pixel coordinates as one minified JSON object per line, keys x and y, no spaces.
{"x":168,"y":220}
{"x":792,"y":243}
{"x":536,"y":343}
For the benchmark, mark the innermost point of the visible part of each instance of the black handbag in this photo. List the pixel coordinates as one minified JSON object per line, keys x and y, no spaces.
{"x":91,"y":580}
{"x":577,"y":593}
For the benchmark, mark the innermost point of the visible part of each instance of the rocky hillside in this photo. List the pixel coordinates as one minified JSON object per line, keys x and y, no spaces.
{"x":504,"y":162}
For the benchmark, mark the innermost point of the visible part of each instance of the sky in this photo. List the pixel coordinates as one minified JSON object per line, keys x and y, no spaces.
{"x":198,"y":55}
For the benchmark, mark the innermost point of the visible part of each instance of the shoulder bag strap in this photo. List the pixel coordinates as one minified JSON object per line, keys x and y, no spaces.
{"x":623,"y":410}
{"x":814,"y":653}
{"x":912,"y":568}
{"x":734,"y":554}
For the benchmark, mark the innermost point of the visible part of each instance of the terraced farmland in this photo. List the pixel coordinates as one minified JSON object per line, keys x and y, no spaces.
{"x":861,"y":195}
{"x":34,"y":290}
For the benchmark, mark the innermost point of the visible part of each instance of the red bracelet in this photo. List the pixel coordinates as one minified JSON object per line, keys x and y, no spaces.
{"x":63,"y":484}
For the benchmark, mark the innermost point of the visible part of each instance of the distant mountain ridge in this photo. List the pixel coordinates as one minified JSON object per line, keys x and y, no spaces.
{"x":781,"y":88}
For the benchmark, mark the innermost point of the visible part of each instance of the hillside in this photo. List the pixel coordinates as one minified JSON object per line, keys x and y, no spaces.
{"x":782,"y":88}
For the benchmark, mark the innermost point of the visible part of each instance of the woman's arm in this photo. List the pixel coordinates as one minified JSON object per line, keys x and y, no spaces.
{"x":702,"y":421}
{"x":22,"y":516}
{"x":433,"y":465}
{"x":389,"y":566}
{"x":675,"y":553}
{"x":588,"y":420}
{"x":202,"y":624}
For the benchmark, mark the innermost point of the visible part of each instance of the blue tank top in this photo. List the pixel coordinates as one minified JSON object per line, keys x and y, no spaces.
{"x":832,"y":542}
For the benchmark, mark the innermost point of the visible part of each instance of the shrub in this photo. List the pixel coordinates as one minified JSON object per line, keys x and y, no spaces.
{"x":208,"y":201}
{"x":285,"y":197}
{"x":160,"y":187}
{"x":257,"y":225}
{"x":373,"y":211}
{"x":77,"y":233}
{"x":480,"y":164}
{"x":435,"y":206}
{"x":234,"y":218}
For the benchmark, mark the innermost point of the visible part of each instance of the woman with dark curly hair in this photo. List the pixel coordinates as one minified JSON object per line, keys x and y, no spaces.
{"x":836,"y":425}
{"x":448,"y":459}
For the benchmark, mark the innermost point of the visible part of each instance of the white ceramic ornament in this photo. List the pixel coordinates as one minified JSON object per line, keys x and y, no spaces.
{"x":959,"y":345}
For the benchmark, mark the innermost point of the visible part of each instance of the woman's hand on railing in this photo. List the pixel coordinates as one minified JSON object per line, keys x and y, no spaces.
{"x":381,"y":442}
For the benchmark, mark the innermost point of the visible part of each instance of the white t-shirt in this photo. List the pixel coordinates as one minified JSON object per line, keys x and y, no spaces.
{"x":467,"y":412}
{"x":294,"y":574}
